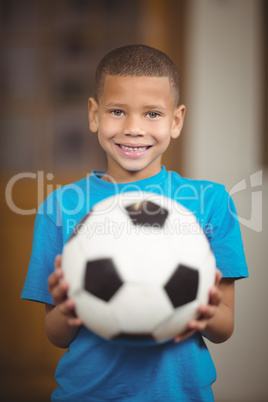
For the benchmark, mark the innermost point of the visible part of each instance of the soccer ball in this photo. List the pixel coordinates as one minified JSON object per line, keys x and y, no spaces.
{"x":138,"y":266}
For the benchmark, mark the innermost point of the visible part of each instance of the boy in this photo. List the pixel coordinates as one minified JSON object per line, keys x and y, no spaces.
{"x":136,"y":113}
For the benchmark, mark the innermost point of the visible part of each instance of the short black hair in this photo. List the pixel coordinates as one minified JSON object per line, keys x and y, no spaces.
{"x":137,"y":61}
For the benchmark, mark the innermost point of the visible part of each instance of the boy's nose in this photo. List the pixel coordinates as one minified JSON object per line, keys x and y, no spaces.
{"x":133,"y":127}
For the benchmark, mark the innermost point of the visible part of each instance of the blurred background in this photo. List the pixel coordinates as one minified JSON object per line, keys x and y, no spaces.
{"x":49,"y":51}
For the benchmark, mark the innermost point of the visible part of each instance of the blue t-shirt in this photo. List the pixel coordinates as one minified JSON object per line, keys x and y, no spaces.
{"x":94,"y":369}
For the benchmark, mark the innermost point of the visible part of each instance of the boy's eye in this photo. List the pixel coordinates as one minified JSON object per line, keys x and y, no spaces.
{"x":117,"y":112}
{"x":153,"y":115}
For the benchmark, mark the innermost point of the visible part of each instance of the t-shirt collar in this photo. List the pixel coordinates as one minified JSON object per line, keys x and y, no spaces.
{"x":106,"y":187}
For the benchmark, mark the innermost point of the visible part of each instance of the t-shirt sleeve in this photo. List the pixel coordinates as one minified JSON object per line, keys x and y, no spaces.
{"x":225,"y":238}
{"x":47,"y":243}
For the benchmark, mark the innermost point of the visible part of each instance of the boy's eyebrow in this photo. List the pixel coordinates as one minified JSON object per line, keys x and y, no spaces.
{"x":122,"y":105}
{"x":154,"y":107}
{"x":115,"y":104}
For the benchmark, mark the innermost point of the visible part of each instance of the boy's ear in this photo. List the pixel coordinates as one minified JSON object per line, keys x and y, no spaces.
{"x":178,"y":119}
{"x":93,"y":116}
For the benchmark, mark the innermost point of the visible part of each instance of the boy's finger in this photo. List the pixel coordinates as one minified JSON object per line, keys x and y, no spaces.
{"x":58,"y":297}
{"x":185,"y":335}
{"x":215,"y":298}
{"x":57,"y":262}
{"x":59,"y":292}
{"x":218,"y":277}
{"x":206,"y":311}
{"x":53,"y":279}
{"x":68,"y":307}
{"x":75,"y":322}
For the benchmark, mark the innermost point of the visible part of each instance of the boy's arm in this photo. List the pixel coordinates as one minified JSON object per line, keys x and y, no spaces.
{"x":217,"y":317}
{"x":62,"y":325}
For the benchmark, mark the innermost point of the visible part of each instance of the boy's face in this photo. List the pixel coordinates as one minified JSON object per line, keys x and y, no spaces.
{"x":135,"y":120}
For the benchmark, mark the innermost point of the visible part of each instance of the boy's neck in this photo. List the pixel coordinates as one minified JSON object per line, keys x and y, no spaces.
{"x":129,"y":176}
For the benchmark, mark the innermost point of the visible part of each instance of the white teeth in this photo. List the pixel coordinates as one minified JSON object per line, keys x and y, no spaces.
{"x":131,"y":149}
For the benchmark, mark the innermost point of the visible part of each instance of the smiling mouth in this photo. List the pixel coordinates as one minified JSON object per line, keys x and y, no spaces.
{"x":134,"y":148}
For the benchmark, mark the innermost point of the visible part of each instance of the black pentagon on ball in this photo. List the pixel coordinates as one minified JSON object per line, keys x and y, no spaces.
{"x":101,"y":278}
{"x":182,"y":286}
{"x":147,"y":213}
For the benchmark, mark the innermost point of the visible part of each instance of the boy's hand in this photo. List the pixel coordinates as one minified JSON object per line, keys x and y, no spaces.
{"x":206,"y":311}
{"x":58,"y":289}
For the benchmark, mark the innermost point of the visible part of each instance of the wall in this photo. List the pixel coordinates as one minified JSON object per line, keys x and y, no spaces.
{"x":224,"y":130}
